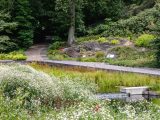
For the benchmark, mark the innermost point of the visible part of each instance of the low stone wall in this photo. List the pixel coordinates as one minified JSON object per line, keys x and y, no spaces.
{"x":90,"y":66}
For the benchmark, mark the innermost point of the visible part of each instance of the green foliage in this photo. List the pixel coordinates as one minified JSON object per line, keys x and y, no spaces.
{"x":102,"y":40}
{"x":115,"y":42}
{"x":100,"y":54}
{"x":127,"y":56}
{"x":62,"y":15}
{"x":156,"y":46}
{"x":141,"y":62}
{"x":16,"y":55}
{"x":56,"y":39}
{"x":7,"y":44}
{"x":145,"y":40}
{"x":98,"y":10}
{"x":145,"y":21}
{"x":58,"y":55}
{"x":88,"y":38}
{"x":156,"y":43}
{"x":98,"y":29}
{"x":22,"y":13}
{"x":56,"y":45}
{"x":156,"y":101}
{"x":11,"y":109}
{"x":37,"y":19}
{"x":88,"y":59}
{"x":124,"y":52}
{"x":6,"y":5}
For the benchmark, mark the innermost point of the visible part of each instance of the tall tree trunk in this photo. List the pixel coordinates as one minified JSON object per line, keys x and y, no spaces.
{"x":71,"y":34}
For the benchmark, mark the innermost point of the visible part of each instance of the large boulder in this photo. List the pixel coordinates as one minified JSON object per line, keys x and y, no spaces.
{"x":72,"y":52}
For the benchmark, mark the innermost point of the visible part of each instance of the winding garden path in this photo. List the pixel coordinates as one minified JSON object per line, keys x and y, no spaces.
{"x":39,"y":53}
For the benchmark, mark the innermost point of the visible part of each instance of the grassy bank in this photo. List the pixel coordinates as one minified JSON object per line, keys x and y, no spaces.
{"x":106,"y":81}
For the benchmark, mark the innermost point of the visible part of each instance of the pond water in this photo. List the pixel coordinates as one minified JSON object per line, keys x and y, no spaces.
{"x":127,"y":97}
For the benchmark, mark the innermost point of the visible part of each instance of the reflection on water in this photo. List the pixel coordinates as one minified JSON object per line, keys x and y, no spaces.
{"x":126,"y":97}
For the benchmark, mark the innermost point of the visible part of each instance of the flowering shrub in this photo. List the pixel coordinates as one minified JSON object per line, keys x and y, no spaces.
{"x":34,"y":86}
{"x":101,"y":110}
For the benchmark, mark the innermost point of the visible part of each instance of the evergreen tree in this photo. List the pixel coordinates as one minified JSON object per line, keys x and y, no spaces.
{"x":156,"y":44}
{"x":7,"y":42}
{"x":22,"y":14}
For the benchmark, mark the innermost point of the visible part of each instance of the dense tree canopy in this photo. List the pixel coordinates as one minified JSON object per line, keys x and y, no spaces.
{"x":39,"y":18}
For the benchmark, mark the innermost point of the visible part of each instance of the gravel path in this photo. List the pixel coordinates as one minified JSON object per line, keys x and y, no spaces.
{"x":38,"y":53}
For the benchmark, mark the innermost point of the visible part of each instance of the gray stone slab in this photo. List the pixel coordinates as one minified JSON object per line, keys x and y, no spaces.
{"x":135,"y":90}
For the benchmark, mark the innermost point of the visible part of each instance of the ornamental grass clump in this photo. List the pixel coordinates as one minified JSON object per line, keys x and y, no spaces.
{"x":37,"y":87}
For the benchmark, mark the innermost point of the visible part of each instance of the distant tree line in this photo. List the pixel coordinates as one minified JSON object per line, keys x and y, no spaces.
{"x":32,"y":19}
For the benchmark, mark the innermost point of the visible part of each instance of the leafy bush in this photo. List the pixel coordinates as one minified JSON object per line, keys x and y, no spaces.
{"x":96,"y":38}
{"x":56,"y":39}
{"x":6,"y":45}
{"x":128,"y":56}
{"x":145,"y":21}
{"x":115,"y":42}
{"x":156,"y":46}
{"x":12,"y":109}
{"x":56,"y":45}
{"x":88,"y":38}
{"x":25,"y":38}
{"x":58,"y":55}
{"x":88,"y":59}
{"x":16,"y":55}
{"x":100,"y":54}
{"x":102,"y":40}
{"x":97,"y":30}
{"x":145,"y":40}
